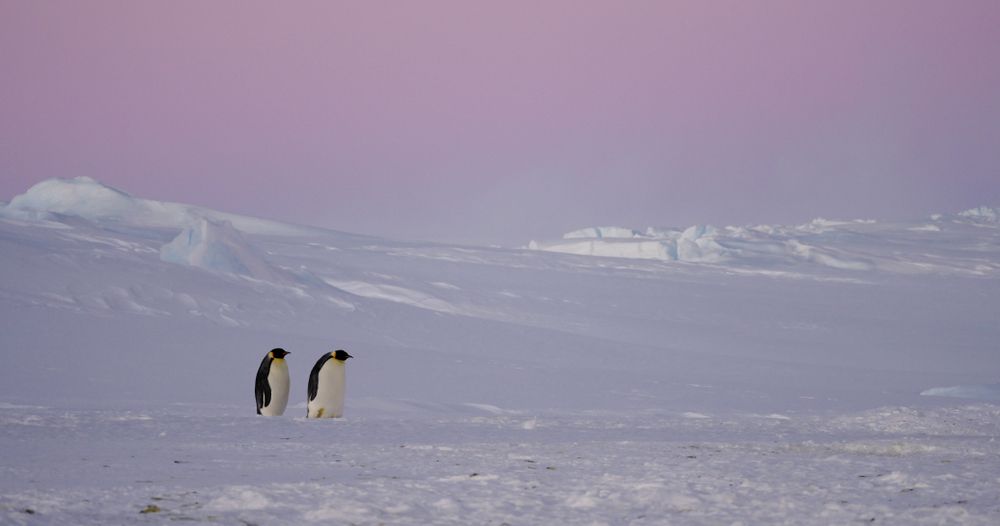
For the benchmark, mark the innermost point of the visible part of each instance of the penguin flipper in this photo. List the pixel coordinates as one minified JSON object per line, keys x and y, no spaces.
{"x":313,"y":387}
{"x":262,"y":389}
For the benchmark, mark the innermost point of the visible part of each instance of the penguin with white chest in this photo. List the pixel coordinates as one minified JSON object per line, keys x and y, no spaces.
{"x":271,"y":388}
{"x":326,"y":386}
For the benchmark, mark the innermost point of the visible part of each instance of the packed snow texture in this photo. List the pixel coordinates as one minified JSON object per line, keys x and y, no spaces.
{"x":827,"y":373}
{"x":213,"y":464}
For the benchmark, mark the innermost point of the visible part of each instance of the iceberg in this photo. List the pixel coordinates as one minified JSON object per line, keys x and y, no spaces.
{"x":219,"y":247}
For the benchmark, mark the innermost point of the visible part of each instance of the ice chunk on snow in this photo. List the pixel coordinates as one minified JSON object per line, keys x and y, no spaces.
{"x":823,"y":257}
{"x":842,"y":245}
{"x":705,"y":250}
{"x":601,"y":232}
{"x":217,"y":246}
{"x":637,"y":249}
{"x":661,"y":233}
{"x":699,"y":231}
{"x":239,"y":498}
{"x":983,"y":214}
{"x":696,"y":244}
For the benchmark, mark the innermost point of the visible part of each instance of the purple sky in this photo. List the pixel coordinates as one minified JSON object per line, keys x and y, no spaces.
{"x":506,"y":121}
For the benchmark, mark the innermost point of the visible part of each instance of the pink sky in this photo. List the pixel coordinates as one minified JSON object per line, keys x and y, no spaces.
{"x":505,"y":121}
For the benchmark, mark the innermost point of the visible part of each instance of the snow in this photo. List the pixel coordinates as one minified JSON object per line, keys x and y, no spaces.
{"x":983,"y":213}
{"x":215,"y":464}
{"x":395,"y":294}
{"x":634,"y":250}
{"x":826,"y":373}
{"x":980,"y":392}
{"x":602,"y":232}
{"x":87,"y":198}
{"x":952,"y":244}
{"x":217,"y":246}
{"x":81,"y":196}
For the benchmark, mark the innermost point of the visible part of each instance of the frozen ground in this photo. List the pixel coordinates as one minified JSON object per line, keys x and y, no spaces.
{"x":218,"y":464}
{"x":828,"y":373}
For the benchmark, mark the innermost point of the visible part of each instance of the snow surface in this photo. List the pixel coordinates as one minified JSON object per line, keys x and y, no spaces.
{"x":217,"y":465}
{"x":828,"y":373}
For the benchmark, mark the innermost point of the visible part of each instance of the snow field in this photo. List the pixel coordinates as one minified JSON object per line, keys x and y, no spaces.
{"x":835,"y":372}
{"x":212,"y":465}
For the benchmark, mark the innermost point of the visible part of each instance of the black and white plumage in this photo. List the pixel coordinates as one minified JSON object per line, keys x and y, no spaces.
{"x":271,"y":388}
{"x":327,"y":383}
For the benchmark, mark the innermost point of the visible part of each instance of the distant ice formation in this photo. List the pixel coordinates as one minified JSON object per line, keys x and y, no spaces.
{"x":697,"y":243}
{"x":89,"y":199}
{"x":983,"y":213}
{"x":602,"y":232}
{"x":979,"y":392}
{"x":80,"y":196}
{"x":217,"y":246}
{"x":837,"y":244}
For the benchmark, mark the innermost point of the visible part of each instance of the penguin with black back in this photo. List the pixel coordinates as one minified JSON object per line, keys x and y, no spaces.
{"x":271,"y":388}
{"x":327,"y":385}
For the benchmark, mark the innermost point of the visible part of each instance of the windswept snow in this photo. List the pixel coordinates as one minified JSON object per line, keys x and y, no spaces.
{"x":395,"y":294}
{"x":826,"y":373}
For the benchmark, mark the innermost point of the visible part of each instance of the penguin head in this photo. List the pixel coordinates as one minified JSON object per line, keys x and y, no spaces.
{"x":341,"y":355}
{"x":278,"y":353}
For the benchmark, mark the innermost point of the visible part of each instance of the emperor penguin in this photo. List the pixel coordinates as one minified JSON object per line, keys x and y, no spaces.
{"x":326,"y":386}
{"x":271,"y":389}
